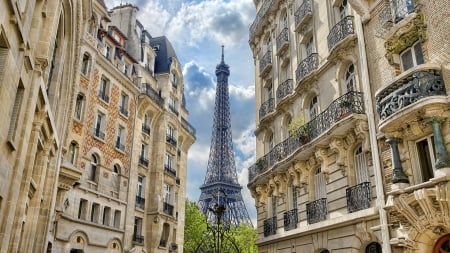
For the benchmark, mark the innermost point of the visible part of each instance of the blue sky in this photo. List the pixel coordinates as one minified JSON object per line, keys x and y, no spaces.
{"x":197,"y":29}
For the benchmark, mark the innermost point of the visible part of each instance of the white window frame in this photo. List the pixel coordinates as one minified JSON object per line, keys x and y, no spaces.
{"x":361,"y":166}
{"x":320,"y":190}
{"x":413,"y":53}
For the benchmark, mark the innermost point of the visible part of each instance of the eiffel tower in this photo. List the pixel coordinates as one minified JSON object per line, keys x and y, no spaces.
{"x":221,"y":187}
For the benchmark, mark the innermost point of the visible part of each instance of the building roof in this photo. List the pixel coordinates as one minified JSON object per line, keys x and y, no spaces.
{"x":164,"y":53}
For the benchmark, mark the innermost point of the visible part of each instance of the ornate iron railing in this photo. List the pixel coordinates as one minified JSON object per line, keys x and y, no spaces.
{"x":401,"y":8}
{"x":143,"y":161}
{"x":303,"y":11}
{"x":270,"y":226}
{"x":282,"y":38}
{"x":306,"y":66}
{"x":187,"y":126}
{"x":266,"y":108}
{"x":146,"y":129}
{"x":152,"y":94}
{"x":408,"y":90}
{"x":358,"y":197}
{"x":168,"y":169}
{"x":290,"y":219}
{"x":265,"y":62}
{"x":316,"y":211}
{"x":340,"y":31}
{"x":260,"y":16}
{"x":284,"y":90}
{"x":351,"y":102}
{"x":167,"y":208}
{"x":140,"y":202}
{"x":171,"y":140}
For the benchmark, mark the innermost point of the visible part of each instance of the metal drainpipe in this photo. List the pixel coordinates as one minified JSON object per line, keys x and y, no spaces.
{"x":372,"y":135}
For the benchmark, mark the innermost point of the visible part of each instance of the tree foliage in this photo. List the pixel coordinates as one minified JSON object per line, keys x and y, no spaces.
{"x":195,"y":232}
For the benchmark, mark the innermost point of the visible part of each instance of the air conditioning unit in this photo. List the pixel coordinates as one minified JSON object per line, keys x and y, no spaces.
{"x":173,"y":247}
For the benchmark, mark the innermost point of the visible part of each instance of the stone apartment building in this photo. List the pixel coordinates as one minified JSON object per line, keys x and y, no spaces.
{"x":351,"y":126}
{"x":96,"y":135}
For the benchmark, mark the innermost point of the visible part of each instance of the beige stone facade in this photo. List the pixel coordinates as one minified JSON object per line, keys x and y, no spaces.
{"x":94,"y":136}
{"x":351,"y":104}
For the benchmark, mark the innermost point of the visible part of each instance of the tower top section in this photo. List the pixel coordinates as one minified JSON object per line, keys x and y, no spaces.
{"x":222,"y":67}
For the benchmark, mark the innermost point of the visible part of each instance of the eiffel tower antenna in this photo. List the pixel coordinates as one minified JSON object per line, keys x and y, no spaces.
{"x":221,"y":185}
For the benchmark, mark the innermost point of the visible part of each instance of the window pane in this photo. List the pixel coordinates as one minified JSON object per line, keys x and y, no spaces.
{"x":418,"y":53}
{"x":426,"y":167}
{"x":407,"y":61}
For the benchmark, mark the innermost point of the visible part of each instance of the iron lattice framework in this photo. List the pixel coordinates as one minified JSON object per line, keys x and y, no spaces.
{"x":221,"y":186}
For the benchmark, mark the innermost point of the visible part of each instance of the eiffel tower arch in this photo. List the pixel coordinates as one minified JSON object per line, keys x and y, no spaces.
{"x":221,"y":187}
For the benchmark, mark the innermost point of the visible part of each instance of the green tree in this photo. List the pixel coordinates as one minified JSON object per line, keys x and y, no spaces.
{"x":194,"y":226}
{"x":245,"y":237}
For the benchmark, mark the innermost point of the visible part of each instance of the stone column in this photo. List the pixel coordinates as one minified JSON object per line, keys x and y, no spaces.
{"x":398,"y":175}
{"x":442,"y":157}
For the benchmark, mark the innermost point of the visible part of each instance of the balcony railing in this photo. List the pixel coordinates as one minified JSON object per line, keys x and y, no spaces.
{"x":302,"y":13}
{"x":168,"y":169}
{"x":270,"y":226}
{"x":340,"y":31}
{"x":401,"y":8}
{"x":408,"y":90}
{"x":140,"y":202}
{"x":358,"y":197}
{"x":146,"y":129}
{"x":168,"y":209}
{"x":265,"y":64}
{"x":351,"y":102}
{"x":306,"y":66}
{"x":143,"y":161}
{"x":119,"y":145}
{"x":171,"y":140}
{"x":103,"y":96}
{"x":260,"y":16}
{"x":266,"y":108}
{"x":173,"y":109}
{"x":283,"y":39}
{"x":152,"y":94}
{"x":316,"y":211}
{"x":163,"y":243}
{"x":99,"y":133}
{"x":138,"y":239}
{"x":284,"y":90}
{"x":188,"y":126}
{"x":290,"y":219}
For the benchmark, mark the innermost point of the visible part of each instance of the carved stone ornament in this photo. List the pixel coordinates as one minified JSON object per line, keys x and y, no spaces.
{"x":337,"y":145}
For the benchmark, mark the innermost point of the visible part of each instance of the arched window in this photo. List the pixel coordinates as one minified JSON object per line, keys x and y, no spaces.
{"x":73,"y":151}
{"x":350,"y":81}
{"x":93,"y":169}
{"x":361,"y":171}
{"x":325,"y":251}
{"x":79,"y":103}
{"x":313,"y":108}
{"x":85,"y":64}
{"x":116,"y":177}
{"x":373,"y":247}
{"x":442,"y":245}
{"x":343,"y":9}
{"x":320,"y":184}
{"x":286,"y":127}
{"x":270,"y":142}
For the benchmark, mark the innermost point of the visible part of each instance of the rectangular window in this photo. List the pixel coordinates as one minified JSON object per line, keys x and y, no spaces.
{"x":103,"y":92}
{"x":82,"y":209}
{"x":15,"y":111}
{"x":137,"y":229}
{"x":294,"y":194}
{"x":106,"y":216}
{"x":320,"y":185}
{"x":123,"y":106}
{"x":412,"y":56}
{"x":167,"y":194}
{"x":117,"y":215}
{"x":3,"y":57}
{"x":140,"y":187}
{"x":73,"y":151}
{"x":85,"y":64}
{"x":426,"y":157}
{"x":94,"y":212}
{"x":79,"y":106}
{"x":273,"y":210}
{"x":120,"y":139}
{"x":143,"y":158}
{"x":108,"y":51}
{"x":100,"y":125}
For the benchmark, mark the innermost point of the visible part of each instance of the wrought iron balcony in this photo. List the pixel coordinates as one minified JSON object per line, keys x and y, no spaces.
{"x":290,"y":219}
{"x":316,"y":211}
{"x":306,"y":66}
{"x":283,"y":40}
{"x":340,"y":31}
{"x":103,"y":96}
{"x":284,"y":90}
{"x":265,"y":64}
{"x":411,"y":88}
{"x":303,"y":13}
{"x":140,"y":202}
{"x":168,"y":169}
{"x":171,"y":139}
{"x":266,"y":108}
{"x":260,"y":16}
{"x":143,"y":161}
{"x":152,"y":94}
{"x":173,"y":109}
{"x":349,"y":103}
{"x":163,"y":243}
{"x":270,"y":226}
{"x":99,"y":133}
{"x":138,"y":239}
{"x":168,"y":209}
{"x":185,"y":124}
{"x":358,"y":197}
{"x":123,"y":111}
{"x":146,"y":129}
